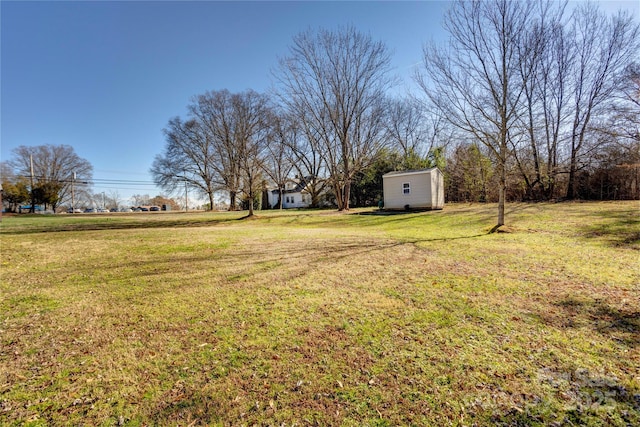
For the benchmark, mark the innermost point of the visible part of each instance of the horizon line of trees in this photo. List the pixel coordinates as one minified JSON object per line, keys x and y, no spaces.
{"x":526,"y":101}
{"x":47,"y":175}
{"x":54,"y":177}
{"x":547,"y":95}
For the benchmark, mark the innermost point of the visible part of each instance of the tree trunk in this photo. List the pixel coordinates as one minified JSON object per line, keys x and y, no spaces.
{"x":339,"y":192}
{"x":502,"y":192}
{"x":347,"y":194}
{"x":232,"y":200}
{"x":315,"y":199}
{"x":552,"y":167}
{"x":251,"y":203}
{"x":571,"y":190}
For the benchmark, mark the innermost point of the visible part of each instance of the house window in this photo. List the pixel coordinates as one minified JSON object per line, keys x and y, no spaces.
{"x":292,"y":199}
{"x":287,"y":199}
{"x":406,"y":188}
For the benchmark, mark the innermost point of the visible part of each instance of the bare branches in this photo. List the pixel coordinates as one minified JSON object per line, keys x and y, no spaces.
{"x":335,"y":83}
{"x":530,"y":85}
{"x":53,"y":168}
{"x":537,"y":91}
{"x":221,"y":145}
{"x":188,"y":158}
{"x":476,"y":82}
{"x":604,"y":46}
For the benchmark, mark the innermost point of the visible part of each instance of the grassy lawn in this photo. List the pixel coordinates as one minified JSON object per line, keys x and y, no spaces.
{"x":320,"y":318}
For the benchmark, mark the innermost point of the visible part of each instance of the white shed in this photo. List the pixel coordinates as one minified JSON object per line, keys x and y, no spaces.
{"x":418,"y":189}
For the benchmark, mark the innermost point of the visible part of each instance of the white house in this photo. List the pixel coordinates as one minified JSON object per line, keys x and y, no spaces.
{"x":294,"y":195}
{"x":418,"y":189}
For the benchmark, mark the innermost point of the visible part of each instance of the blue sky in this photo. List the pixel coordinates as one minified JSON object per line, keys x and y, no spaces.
{"x":106,"y":77}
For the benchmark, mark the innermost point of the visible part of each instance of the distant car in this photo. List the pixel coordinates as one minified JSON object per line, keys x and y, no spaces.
{"x":113,"y":210}
{"x":101,"y":210}
{"x":154,"y":208}
{"x":76,"y":210}
{"x":89,"y":210}
{"x":27,"y":209}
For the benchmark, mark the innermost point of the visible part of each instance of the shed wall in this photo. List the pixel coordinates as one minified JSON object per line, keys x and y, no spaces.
{"x":420,"y":195}
{"x":437,"y":189}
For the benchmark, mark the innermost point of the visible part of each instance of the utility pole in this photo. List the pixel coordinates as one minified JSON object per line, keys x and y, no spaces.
{"x":73,"y":193}
{"x":186,"y":198}
{"x":33,"y":198}
{"x":103,"y":205}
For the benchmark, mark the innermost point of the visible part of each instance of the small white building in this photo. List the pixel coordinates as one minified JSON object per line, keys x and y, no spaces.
{"x":418,"y":189}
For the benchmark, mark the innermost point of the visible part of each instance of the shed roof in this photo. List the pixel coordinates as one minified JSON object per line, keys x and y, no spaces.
{"x":410,"y":172}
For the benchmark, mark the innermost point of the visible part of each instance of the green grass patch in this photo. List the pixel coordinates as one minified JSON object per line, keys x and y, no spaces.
{"x":323,"y":318}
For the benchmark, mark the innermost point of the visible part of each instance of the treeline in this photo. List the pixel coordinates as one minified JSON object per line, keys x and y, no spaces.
{"x":55,"y":178}
{"x":546,"y":101}
{"x":526,"y":101}
{"x":47,"y":175}
{"x":331,"y":124}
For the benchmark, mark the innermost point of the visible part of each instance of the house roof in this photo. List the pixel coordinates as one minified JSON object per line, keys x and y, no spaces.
{"x":410,"y":172}
{"x":300,"y":185}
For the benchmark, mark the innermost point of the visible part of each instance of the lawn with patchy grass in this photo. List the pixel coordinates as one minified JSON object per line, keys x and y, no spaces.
{"x":319,"y":318}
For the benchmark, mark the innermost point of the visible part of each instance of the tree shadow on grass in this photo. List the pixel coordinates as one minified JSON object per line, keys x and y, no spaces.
{"x":588,"y":398}
{"x":584,"y":397}
{"x":620,"y":324}
{"x":293,"y":258}
{"x":387,"y":212}
{"x":116,"y":225}
{"x":618,"y":228}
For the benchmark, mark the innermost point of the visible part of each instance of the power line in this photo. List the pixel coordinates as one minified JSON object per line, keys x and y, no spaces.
{"x":121,"y":181}
{"x":120,"y":188}
{"x":91,"y":181}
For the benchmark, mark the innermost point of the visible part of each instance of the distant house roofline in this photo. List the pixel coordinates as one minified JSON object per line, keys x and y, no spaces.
{"x":301,"y":185}
{"x":295,"y":190}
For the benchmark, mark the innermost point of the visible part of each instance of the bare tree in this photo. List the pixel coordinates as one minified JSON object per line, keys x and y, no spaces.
{"x":55,"y":167}
{"x":417,"y":131}
{"x":615,"y":168}
{"x":278,"y":162}
{"x":604,"y":46}
{"x":140,"y":199}
{"x":113,"y":199}
{"x":477,"y":81}
{"x":188,"y":159}
{"x":542,"y":68}
{"x":307,"y":157}
{"x":220,"y":146}
{"x":627,"y":109}
{"x":406,"y":127}
{"x":335,"y":81}
{"x":214,"y":110}
{"x":553,"y":98}
{"x":251,"y":114}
